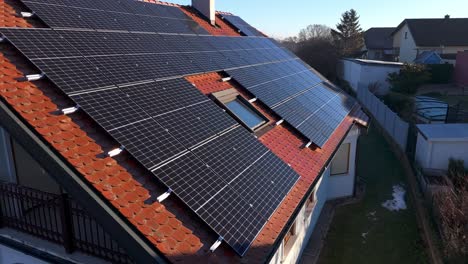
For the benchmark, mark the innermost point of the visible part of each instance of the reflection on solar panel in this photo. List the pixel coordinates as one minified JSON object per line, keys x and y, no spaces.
{"x":297,"y":95}
{"x":243,"y":26}
{"x":123,"y":15}
{"x":131,"y":85}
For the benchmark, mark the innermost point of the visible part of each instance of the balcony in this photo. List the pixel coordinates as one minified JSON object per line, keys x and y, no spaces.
{"x":58,"y":219}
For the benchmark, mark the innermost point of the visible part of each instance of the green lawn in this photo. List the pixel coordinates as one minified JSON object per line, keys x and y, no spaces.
{"x":392,"y":237}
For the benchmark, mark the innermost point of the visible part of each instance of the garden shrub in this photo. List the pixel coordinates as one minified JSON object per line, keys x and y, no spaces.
{"x":409,"y":78}
{"x":401,"y":104}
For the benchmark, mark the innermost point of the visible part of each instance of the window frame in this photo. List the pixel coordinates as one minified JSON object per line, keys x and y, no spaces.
{"x":292,"y":232}
{"x":347,"y":161}
{"x":230,"y":95}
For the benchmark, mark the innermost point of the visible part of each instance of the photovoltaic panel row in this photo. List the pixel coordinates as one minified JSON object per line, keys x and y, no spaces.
{"x":233,"y":182}
{"x":247,"y":192}
{"x":160,"y":121}
{"x":60,"y":16}
{"x":316,"y":113}
{"x":78,"y":61}
{"x":243,"y":26}
{"x":296,"y":94}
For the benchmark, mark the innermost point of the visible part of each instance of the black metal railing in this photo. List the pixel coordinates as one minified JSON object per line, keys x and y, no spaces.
{"x":56,"y":218}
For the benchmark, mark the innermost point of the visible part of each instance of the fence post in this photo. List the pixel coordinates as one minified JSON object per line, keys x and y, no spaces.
{"x":67,"y":223}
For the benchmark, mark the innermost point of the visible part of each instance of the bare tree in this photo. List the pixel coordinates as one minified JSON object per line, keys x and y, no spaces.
{"x":452,"y":207}
{"x":314,"y":32}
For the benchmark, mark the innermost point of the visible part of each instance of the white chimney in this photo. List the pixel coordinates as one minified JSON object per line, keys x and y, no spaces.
{"x":206,"y":8}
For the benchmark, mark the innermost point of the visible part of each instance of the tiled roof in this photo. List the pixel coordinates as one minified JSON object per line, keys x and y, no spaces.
{"x":379,"y":38}
{"x":221,"y":29}
{"x":123,"y":183}
{"x":433,"y":32}
{"x":289,"y":146}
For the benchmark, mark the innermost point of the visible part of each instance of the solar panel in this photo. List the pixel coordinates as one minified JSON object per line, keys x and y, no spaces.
{"x":110,"y":108}
{"x":157,"y":98}
{"x":74,"y":74}
{"x":129,"y":83}
{"x":148,"y":142}
{"x":231,"y":153}
{"x":114,"y":15}
{"x":243,"y":26}
{"x":272,"y":173}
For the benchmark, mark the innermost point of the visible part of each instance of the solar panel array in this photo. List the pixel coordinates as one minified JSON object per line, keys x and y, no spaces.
{"x":298,"y":95}
{"x":131,"y":85}
{"x":241,"y":25}
{"x":121,"y":15}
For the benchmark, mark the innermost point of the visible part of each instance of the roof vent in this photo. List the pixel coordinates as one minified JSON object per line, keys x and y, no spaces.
{"x":447,"y":16}
{"x":206,"y":8}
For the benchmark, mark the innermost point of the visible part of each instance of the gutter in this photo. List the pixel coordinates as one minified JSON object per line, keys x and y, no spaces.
{"x":298,"y":209}
{"x":33,"y":252}
{"x":71,"y":180}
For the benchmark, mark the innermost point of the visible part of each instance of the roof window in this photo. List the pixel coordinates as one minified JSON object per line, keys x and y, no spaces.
{"x":241,"y":109}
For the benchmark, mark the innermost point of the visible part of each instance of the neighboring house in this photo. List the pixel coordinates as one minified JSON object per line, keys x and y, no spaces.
{"x":444,"y":36}
{"x":437,"y":143}
{"x":378,"y":44}
{"x":363,"y":73}
{"x":461,"y":69}
{"x":428,"y":57}
{"x":121,"y":145}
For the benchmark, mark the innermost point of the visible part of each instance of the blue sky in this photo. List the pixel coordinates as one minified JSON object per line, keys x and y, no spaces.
{"x":282,"y":18}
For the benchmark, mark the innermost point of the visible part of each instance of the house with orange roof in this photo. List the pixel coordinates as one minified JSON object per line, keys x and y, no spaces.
{"x":148,"y":132}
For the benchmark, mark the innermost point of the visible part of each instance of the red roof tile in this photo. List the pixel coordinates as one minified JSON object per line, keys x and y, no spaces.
{"x":125,"y":184}
{"x":289,"y":146}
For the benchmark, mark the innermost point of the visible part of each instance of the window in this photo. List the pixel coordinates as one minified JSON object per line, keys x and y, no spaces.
{"x":340,"y":163}
{"x":245,"y":113}
{"x":311,"y":200}
{"x":406,"y":35}
{"x":241,"y":109}
{"x":291,"y":233}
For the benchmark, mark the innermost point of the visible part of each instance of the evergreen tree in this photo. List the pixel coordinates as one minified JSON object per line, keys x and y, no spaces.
{"x":350,"y":36}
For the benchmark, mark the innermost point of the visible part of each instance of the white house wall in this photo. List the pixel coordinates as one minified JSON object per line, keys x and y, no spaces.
{"x":408,"y":49}
{"x":423,"y":152}
{"x":343,"y":185}
{"x":436,"y":154}
{"x":351,"y":72}
{"x":362,"y":75}
{"x":443,"y":151}
{"x":307,"y":218}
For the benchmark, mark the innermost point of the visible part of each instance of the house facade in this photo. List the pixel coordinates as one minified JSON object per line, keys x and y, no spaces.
{"x":378,"y":44}
{"x":88,"y":181}
{"x":438,"y":143}
{"x":364,"y":73}
{"x":446,"y":36}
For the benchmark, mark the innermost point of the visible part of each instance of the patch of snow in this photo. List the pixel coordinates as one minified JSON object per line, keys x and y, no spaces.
{"x":398,"y":201}
{"x":371,"y":216}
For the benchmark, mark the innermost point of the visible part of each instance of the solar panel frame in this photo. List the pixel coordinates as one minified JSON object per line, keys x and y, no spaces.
{"x":152,"y":136}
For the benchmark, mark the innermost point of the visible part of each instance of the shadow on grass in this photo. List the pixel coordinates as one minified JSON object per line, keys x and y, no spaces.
{"x":367,"y":232}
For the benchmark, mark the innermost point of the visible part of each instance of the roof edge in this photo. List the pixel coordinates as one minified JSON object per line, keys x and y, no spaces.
{"x":297,"y":210}
{"x":138,"y":249}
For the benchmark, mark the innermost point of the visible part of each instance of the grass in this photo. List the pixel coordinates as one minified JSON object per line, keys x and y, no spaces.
{"x":393,"y":237}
